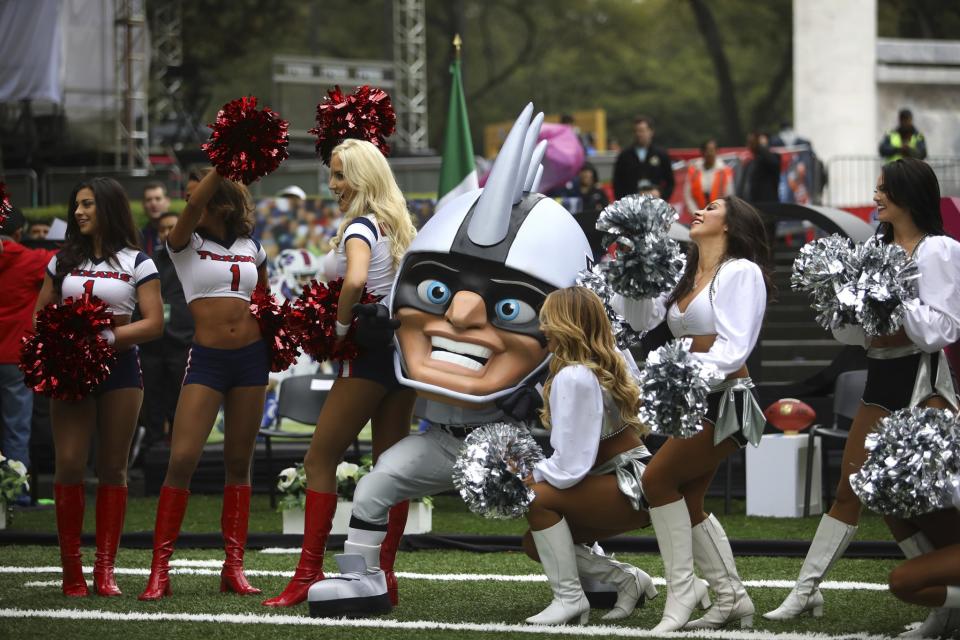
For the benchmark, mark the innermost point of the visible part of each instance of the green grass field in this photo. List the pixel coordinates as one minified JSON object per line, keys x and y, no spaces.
{"x":483,"y":600}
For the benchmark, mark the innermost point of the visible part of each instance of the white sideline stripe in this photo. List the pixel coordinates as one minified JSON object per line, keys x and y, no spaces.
{"x":415,"y":625}
{"x":445,"y":577}
{"x":196,"y":563}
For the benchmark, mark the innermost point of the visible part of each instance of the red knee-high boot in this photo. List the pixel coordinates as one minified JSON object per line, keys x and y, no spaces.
{"x":317,"y":520}
{"x":170,"y":509}
{"x":70,"y":502}
{"x":233,"y":522}
{"x":111,"y":509}
{"x":390,"y":545}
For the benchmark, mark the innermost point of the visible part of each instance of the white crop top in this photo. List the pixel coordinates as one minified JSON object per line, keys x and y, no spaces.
{"x":581,"y":414}
{"x":381,"y":273}
{"x":935,"y":321}
{"x":113,"y":280}
{"x":735,"y":315}
{"x":210,"y":267}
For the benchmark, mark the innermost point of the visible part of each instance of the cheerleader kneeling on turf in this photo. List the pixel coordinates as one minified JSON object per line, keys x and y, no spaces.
{"x":589,"y":489}
{"x":219,"y":265}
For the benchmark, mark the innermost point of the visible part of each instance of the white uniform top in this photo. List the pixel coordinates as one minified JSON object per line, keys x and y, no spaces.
{"x":113,"y":280}
{"x":210,"y":267}
{"x":935,"y":322}
{"x":382,"y":271}
{"x":581,"y":413}
{"x":735,"y":317}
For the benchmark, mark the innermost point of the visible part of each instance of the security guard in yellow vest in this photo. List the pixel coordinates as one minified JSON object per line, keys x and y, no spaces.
{"x":904,"y":141}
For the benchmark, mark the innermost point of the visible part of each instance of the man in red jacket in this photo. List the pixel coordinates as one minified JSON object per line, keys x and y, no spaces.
{"x":21,"y":272}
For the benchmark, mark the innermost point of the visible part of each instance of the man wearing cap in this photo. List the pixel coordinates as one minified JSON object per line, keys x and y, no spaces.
{"x":21,"y":271}
{"x":904,"y":141}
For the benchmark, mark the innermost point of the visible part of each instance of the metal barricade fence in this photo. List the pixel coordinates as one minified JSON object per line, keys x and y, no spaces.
{"x":851,"y":179}
{"x":22,"y":187}
{"x":58,"y":183}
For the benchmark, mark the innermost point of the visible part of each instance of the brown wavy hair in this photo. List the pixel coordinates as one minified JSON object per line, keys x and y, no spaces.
{"x":233,"y":203}
{"x":575,"y":322}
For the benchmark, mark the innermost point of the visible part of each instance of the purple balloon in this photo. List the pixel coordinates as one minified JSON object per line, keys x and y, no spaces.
{"x":564,"y":157}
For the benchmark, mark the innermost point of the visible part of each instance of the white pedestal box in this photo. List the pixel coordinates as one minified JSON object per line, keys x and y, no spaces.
{"x":776,"y":476}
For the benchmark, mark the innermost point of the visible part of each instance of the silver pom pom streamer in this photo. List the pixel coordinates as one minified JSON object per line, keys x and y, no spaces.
{"x":490,"y":469}
{"x":912,"y":464}
{"x":886,"y":287}
{"x":673,"y":390}
{"x":625,"y":335}
{"x":827,"y":269}
{"x":648,"y":262}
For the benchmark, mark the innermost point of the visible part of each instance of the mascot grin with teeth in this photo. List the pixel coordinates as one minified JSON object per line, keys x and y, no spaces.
{"x":467,"y":295}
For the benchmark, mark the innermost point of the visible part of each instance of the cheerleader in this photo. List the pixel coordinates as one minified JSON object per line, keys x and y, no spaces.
{"x":219,"y":265}
{"x":375,"y":233}
{"x":589,"y":489}
{"x":906,"y":369}
{"x":100,"y":256}
{"x":719,"y":303}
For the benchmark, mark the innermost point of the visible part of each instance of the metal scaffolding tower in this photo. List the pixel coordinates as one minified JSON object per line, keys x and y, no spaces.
{"x":132,"y":74}
{"x":166,"y":56}
{"x":410,"y":60}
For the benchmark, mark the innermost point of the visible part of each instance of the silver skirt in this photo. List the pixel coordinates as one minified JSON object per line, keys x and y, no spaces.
{"x":751,"y":423}
{"x":628,"y":468}
{"x":927,"y":382}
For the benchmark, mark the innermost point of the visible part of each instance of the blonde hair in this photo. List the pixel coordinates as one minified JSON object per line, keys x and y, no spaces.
{"x":375,"y":191}
{"x":576,"y":323}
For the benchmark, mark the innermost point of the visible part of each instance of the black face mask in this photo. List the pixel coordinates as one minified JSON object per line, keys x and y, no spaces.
{"x":429,"y":281}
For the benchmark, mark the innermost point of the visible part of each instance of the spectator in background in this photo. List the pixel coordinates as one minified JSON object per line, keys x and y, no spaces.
{"x":647,"y":188}
{"x":760,"y":178}
{"x":38,"y":230}
{"x":904,"y":141}
{"x":21,"y":271}
{"x":155,"y":204}
{"x":164,"y":360}
{"x":593,"y":200}
{"x":708,"y":179}
{"x":642,"y":161}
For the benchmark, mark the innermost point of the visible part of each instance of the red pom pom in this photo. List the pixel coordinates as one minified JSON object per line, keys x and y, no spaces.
{"x":5,"y":206}
{"x":314,"y":316}
{"x":246,"y":143}
{"x":367,"y":115}
{"x":790,"y":414}
{"x":66,"y":358}
{"x":275,"y":329}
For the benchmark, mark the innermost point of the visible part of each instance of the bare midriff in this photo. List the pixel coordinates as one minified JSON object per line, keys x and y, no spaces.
{"x":623,"y":441}
{"x":223,"y":323}
{"x":702,"y":344}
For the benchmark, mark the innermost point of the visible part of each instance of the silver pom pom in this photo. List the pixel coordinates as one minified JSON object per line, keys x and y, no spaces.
{"x":624,"y":334}
{"x":912,"y":464}
{"x":828,"y":269}
{"x":490,"y":469}
{"x":886,"y":287}
{"x":648,"y":262}
{"x":673,"y":390}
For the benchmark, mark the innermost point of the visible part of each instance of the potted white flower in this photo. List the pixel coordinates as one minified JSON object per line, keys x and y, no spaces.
{"x":292,"y":484}
{"x":13,"y":482}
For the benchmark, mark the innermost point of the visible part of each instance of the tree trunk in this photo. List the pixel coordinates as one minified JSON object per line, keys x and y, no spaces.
{"x":707,"y":26}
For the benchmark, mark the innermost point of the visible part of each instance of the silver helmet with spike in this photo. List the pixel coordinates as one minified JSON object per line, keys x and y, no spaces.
{"x":504,"y":242}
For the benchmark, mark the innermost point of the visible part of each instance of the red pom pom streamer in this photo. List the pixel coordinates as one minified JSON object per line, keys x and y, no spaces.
{"x":275,"y":329}
{"x":367,"y":114}
{"x":5,"y":206}
{"x":314,"y":316}
{"x":246,"y":143}
{"x":66,"y":358}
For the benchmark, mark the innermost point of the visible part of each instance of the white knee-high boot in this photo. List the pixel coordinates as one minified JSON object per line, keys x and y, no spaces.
{"x":671,"y":522}
{"x":633,"y":585}
{"x":942,"y":621}
{"x":831,"y":540}
{"x":556,"y":549}
{"x":714,"y":557}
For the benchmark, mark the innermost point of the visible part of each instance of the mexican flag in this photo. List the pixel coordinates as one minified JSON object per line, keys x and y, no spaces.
{"x":458,"y":173}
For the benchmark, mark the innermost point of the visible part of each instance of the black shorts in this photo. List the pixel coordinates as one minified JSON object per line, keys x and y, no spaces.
{"x":224,"y":369}
{"x":713,"y":412}
{"x":890,"y":381}
{"x":125,"y":373}
{"x":372,"y":364}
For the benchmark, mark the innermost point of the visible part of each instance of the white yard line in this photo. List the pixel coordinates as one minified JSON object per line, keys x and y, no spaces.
{"x":416,"y":625}
{"x":437,"y":577}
